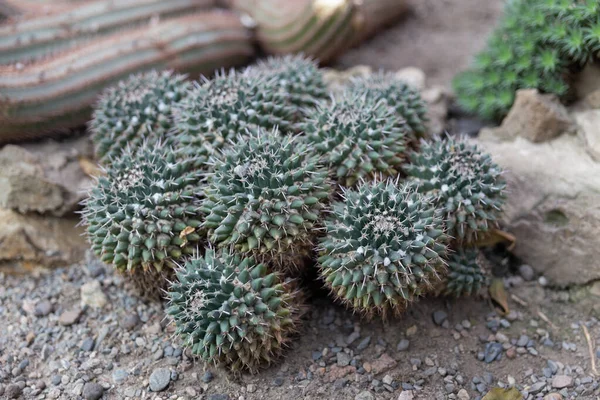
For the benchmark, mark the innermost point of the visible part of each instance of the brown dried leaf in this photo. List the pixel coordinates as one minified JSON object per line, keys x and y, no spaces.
{"x":498,"y":296}
{"x":497,"y":236}
{"x":503,"y":394}
{"x":89,"y":167}
{"x":183,"y":235}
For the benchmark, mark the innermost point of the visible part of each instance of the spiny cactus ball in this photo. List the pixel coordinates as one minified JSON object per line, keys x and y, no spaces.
{"x":138,"y":109}
{"x":265,"y":197}
{"x":404,"y":99}
{"x":217,"y":111}
{"x":465,"y":275}
{"x":467,"y":183}
{"x":383,"y":247}
{"x":299,"y":76}
{"x":357,"y":137}
{"x":231,"y":311}
{"x":146,"y":210}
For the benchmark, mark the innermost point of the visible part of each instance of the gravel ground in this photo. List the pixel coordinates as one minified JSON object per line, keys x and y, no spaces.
{"x":81,"y":332}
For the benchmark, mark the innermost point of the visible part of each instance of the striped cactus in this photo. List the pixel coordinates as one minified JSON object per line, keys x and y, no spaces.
{"x":57,"y":93}
{"x":319,"y":28}
{"x":34,"y":37}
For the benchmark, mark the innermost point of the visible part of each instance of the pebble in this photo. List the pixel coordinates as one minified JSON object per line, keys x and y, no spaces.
{"x":562,"y":381}
{"x":92,"y":295}
{"x":88,"y":344}
{"x":439,"y":317}
{"x":364,"y":395}
{"x":119,"y":376}
{"x":92,"y":391}
{"x":207,"y":377}
{"x":129,"y":321}
{"x":352,"y":337}
{"x":343,"y":359}
{"x":411,"y":331}
{"x":553,"y":366}
{"x":12,"y":391}
{"x":553,"y":396}
{"x":69,"y":317}
{"x":278,"y":381}
{"x":42,"y":308}
{"x":316,"y":355}
{"x":463,"y":395}
{"x":526,"y":272}
{"x":159,"y":379}
{"x":218,"y":396}
{"x":493,"y":351}
{"x":523,"y":340}
{"x":536,"y":387}
{"x":403,"y":345}
{"x":56,"y":380}
{"x":364,"y":343}
{"x":406,"y":395}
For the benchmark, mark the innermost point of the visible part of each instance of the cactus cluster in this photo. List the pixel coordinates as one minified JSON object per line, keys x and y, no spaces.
{"x":537,"y":45}
{"x":240,"y":202}
{"x":465,"y":276}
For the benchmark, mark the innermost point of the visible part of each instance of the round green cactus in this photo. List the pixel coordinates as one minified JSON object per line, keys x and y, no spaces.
{"x":136,"y":110}
{"x":218,"y":111}
{"x":465,"y":275}
{"x":357,"y":137}
{"x":229,"y":310}
{"x":468,"y":185}
{"x":384,"y":246}
{"x":404,"y":99}
{"x":146,"y":210}
{"x":537,"y":45}
{"x":299,"y":76}
{"x":265,"y":198}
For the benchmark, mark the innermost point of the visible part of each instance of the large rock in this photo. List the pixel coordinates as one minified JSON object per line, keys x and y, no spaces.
{"x":534,"y":116}
{"x":45,"y":178}
{"x":588,"y":122}
{"x":553,"y":205}
{"x":31,"y":241}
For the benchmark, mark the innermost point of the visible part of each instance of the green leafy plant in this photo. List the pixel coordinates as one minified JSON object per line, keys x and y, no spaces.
{"x":231,"y":311}
{"x":537,"y":45}
{"x":467,"y":184}
{"x":357,"y":137}
{"x":134,"y":111}
{"x":265,"y":198}
{"x":384,"y":246}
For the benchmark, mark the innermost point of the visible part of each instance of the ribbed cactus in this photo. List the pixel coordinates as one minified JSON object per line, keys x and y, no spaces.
{"x":222,"y":109}
{"x":72,"y":24}
{"x":537,"y":45}
{"x":266,"y":197}
{"x":299,"y":76}
{"x":384,"y":246}
{"x":145,"y":212}
{"x":404,"y":99}
{"x":465,"y":275}
{"x":58,"y":93}
{"x":357,"y":137}
{"x":319,"y":28}
{"x":230,"y":310}
{"x":135,"y":111}
{"x":467,"y":183}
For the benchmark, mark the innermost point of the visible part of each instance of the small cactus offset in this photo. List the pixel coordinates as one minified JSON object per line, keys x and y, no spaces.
{"x":465,"y":275}
{"x":357,"y":137}
{"x":299,"y":76}
{"x":537,"y":45}
{"x":265,"y":198}
{"x":219,"y":110}
{"x":467,"y":184}
{"x":384,"y":246}
{"x":231,"y":311}
{"x":145,"y":212}
{"x":404,"y":99}
{"x":136,"y":110}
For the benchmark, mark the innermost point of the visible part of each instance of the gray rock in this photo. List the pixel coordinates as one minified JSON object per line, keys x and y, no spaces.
{"x":556,"y":231}
{"x":69,"y":317}
{"x":129,"y":321}
{"x":207,"y":377}
{"x":92,"y":391}
{"x":364,"y":343}
{"x":562,"y":381}
{"x":119,"y":376}
{"x":218,"y":397}
{"x":492,"y":352}
{"x":403,"y":345}
{"x":364,"y":395}
{"x":526,"y":272}
{"x":523,"y":340}
{"x":88,"y":344}
{"x":56,"y":380}
{"x":439,"y":317}
{"x":536,"y":387}
{"x":343,"y":359}
{"x":160,"y":379}
{"x":352,"y":337}
{"x":12,"y":391}
{"x":42,"y":308}
{"x":92,"y":295}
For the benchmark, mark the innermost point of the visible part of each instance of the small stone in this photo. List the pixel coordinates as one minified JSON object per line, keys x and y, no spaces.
{"x":543,"y":281}
{"x":364,"y":395}
{"x":190,"y":391}
{"x":207,"y":377}
{"x":88,"y":344}
{"x":278,"y":381}
{"x":502,"y":338}
{"x":218,"y":396}
{"x":492,"y":352}
{"x":562,"y":381}
{"x":316,"y":355}
{"x":383,"y":364}
{"x":129,"y":321}
{"x":523,"y":340}
{"x":119,"y":376}
{"x":536,"y":387}
{"x":387,"y":380}
{"x":364,"y":343}
{"x":403,"y":345}
{"x":56,"y":380}
{"x":526,"y":272}
{"x":553,"y":396}
{"x":553,"y":366}
{"x":92,"y":295}
{"x":439,"y":317}
{"x":463,"y":395}
{"x":250,"y":388}
{"x":352,"y":337}
{"x":511,"y":353}
{"x":12,"y":391}
{"x":159,"y":379}
{"x":69,"y":317}
{"x":406,"y":395}
{"x":42,"y":308}
{"x":343,"y":359}
{"x":92,"y":391}
{"x":412,"y":76}
{"x":411,"y":331}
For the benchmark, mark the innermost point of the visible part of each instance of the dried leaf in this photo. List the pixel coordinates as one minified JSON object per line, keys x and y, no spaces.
{"x":89,"y":167}
{"x":503,"y":394}
{"x":498,"y":296}
{"x":183,"y":235}
{"x":497,"y":236}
